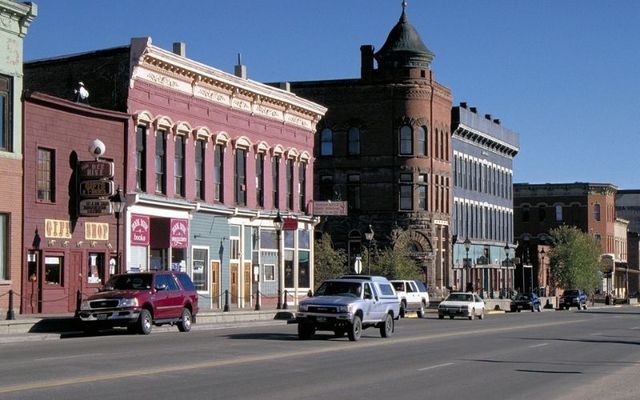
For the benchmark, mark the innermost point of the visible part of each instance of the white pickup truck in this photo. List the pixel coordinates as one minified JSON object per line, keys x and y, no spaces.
{"x":413,"y":296}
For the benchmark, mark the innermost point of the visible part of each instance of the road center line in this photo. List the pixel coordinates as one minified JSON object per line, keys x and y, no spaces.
{"x":435,"y":366}
{"x":68,"y":357}
{"x":538,"y":345}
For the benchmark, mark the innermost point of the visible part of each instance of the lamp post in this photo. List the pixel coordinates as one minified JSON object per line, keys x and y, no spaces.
{"x":506,"y":267}
{"x":118,"y":201}
{"x":278,"y":223}
{"x":369,"y":236}
{"x":467,"y":246}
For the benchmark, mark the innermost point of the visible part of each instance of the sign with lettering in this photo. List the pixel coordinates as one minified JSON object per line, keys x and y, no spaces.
{"x":329,"y":208}
{"x":96,"y":188}
{"x":290,"y":224}
{"x":95,"y":169}
{"x":96,"y":231}
{"x":139,"y":230}
{"x":57,"y":229}
{"x":179,"y":236}
{"x":95,"y":207}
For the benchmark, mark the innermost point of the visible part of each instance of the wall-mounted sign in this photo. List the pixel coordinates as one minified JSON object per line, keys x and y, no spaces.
{"x":96,"y":231}
{"x":179,"y":236}
{"x":96,"y":188}
{"x":290,"y":224}
{"x":95,"y":169}
{"x":329,"y":208}
{"x":57,"y":229}
{"x":95,"y":207}
{"x":140,"y":230}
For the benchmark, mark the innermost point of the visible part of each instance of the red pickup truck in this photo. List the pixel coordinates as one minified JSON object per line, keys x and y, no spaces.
{"x":141,"y":300}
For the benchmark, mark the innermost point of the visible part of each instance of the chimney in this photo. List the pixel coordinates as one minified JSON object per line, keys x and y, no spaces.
{"x":473,"y":109}
{"x":240,"y":70}
{"x":463,"y":104}
{"x":285,"y":86}
{"x":488,"y":116}
{"x":366,"y":61}
{"x":180,"y":48}
{"x":496,"y":121}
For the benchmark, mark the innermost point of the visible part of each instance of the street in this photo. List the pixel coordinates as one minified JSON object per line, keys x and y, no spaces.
{"x":548,"y":355}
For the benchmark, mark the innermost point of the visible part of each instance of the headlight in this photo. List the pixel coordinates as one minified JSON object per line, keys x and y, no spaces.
{"x":85,"y":305}
{"x":343,"y":309}
{"x":129,"y":302}
{"x":303,"y":307}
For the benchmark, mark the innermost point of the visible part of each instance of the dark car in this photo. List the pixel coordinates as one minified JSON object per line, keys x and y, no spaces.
{"x":526,"y":301}
{"x":573,"y":298}
{"x":140,"y":300}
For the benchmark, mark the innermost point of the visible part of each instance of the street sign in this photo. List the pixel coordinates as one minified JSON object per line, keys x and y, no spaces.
{"x":95,"y":207}
{"x":96,"y":188}
{"x":95,"y":169}
{"x":357,"y":265}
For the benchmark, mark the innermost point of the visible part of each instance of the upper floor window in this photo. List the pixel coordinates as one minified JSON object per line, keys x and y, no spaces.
{"x":326,"y":187}
{"x":178,"y":166}
{"x":241,"y":177}
{"x":141,"y":158}
{"x":218,"y":173}
{"x":290,"y":184}
{"x":275,"y":181}
{"x":199,"y":169}
{"x":326,"y":142}
{"x":260,"y":180}
{"x":4,"y":246}
{"x":353,"y":192}
{"x":558,"y":213}
{"x":542,"y":213}
{"x":525,"y":214}
{"x":406,"y":192}
{"x":422,"y":141}
{"x":422,"y":192}
{"x":160,"y":162}
{"x":302,"y":179}
{"x":596,"y":212}
{"x":6,"y":113}
{"x":354,"y":141}
{"x":406,"y":139}
{"x":45,"y":173}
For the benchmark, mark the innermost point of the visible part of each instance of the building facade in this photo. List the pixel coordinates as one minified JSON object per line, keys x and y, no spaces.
{"x":482,"y":220}
{"x":212,"y":159}
{"x":384,"y":147}
{"x":538,"y":208}
{"x":15,"y":19}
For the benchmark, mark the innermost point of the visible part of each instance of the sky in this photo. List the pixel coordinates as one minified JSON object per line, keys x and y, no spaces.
{"x":563,"y":74}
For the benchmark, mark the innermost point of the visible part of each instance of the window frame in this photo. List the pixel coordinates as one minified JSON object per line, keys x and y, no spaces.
{"x":218,"y":172}
{"x":45,"y":177}
{"x":6,"y":118}
{"x":141,"y":158}
{"x":326,"y":142}
{"x":240,"y":176}
{"x":353,"y":141}
{"x":160,"y":167}
{"x":179,"y":165}
{"x":405,"y":140}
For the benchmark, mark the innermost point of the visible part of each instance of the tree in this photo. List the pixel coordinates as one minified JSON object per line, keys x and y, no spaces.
{"x":329,"y":262}
{"x":395,"y":262}
{"x":574,"y":259}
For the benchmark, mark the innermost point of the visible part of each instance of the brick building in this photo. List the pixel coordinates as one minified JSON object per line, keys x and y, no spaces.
{"x":384,"y":147}
{"x":15,"y":19}
{"x":211,"y":159}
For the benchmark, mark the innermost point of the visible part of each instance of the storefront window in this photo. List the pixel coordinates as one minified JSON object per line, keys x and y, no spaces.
{"x":53,"y":270}
{"x":303,"y":239}
{"x":95,"y":268}
{"x":269,"y":270}
{"x":138,"y":261}
{"x":268,"y":239}
{"x":288,"y":268}
{"x":178,"y":259}
{"x":199,"y":272}
{"x":303,"y":269}
{"x":159,"y":259}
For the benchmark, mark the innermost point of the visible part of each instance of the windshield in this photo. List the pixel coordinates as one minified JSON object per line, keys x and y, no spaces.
{"x":570,"y":292}
{"x":459,"y":297}
{"x":129,"y":282}
{"x":522,"y":297}
{"x":332,"y":288}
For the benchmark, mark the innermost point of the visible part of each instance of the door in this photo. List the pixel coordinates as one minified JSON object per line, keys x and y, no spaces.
{"x":368,"y":304}
{"x":246,"y":284}
{"x":215,"y":284}
{"x":233,"y":276}
{"x":75,"y":280}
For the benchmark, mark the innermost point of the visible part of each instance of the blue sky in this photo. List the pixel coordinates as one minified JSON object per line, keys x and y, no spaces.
{"x":563,"y":74}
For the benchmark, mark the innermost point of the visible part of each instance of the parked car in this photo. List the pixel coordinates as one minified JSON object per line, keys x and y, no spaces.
{"x":412,"y":297}
{"x":526,"y":301}
{"x":140,"y":300}
{"x":573,"y":298}
{"x":458,"y":304}
{"x":349,"y":304}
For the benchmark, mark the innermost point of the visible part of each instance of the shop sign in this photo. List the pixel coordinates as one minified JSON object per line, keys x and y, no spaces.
{"x":96,"y":231}
{"x":139,"y":230}
{"x":329,"y":207}
{"x":57,"y":229}
{"x":96,"y":188}
{"x":95,"y":207}
{"x":179,"y":233}
{"x":96,"y":169}
{"x":290,"y":224}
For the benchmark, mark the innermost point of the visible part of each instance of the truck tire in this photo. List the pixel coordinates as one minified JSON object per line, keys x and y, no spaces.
{"x":355,"y":329}
{"x":145,"y":322}
{"x":421,"y":311}
{"x":184,"y":325}
{"x":305,"y":330}
{"x":403,"y":308}
{"x":387,"y":327}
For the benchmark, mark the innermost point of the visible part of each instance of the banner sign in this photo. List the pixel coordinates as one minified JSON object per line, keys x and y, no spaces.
{"x":179,"y":238}
{"x":139,"y":230}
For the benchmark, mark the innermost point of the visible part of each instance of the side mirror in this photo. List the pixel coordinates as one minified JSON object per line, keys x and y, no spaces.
{"x":310,"y":293}
{"x":162,"y":286}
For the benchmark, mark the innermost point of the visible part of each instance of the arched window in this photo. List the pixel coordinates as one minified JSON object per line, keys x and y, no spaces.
{"x":596,"y":212}
{"x":354,"y":141}
{"x":326,"y":142}
{"x":406,"y":139}
{"x":422,"y":141}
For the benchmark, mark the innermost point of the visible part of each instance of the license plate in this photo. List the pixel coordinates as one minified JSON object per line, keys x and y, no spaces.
{"x":101,"y":316}
{"x":321,"y":319}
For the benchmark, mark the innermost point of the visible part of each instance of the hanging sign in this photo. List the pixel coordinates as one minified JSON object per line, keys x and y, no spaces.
{"x":139,"y":230}
{"x":179,"y":238}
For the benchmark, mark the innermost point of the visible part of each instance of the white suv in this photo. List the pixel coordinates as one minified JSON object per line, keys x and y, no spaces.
{"x":413,"y":296}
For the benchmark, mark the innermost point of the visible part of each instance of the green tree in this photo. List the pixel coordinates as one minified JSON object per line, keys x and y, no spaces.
{"x":395,"y":262}
{"x":574,"y":259}
{"x":328,"y":261}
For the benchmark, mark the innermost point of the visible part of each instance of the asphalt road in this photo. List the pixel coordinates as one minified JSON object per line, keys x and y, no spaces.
{"x":548,"y":355}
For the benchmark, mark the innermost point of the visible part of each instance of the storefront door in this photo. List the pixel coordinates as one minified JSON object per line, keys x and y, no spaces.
{"x":246,"y":284}
{"x":215,"y":284}
{"x":75,"y":279}
{"x":233,"y":276}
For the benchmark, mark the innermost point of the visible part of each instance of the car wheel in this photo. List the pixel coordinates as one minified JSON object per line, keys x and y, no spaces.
{"x":355,"y":330}
{"x":539,"y":307}
{"x":440,"y":316}
{"x":584,"y":307}
{"x":184,"y":325}
{"x":519,"y":310}
{"x":420,"y":312}
{"x":305,"y":331}
{"x":145,"y":322}
{"x":450,"y":316}
{"x":403,"y":308}
{"x":472,"y":316}
{"x":533,"y":308}
{"x":481,"y":316}
{"x":386,"y":328}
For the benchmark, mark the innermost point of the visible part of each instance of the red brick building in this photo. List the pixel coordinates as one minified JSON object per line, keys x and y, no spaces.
{"x":384,"y":146}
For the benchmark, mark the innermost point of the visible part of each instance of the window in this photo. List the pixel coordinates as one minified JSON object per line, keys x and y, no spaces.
{"x":269,"y":272}
{"x":542,"y":213}
{"x":353,"y":192}
{"x":422,"y":141}
{"x":199,"y":169}
{"x":45,"y":184}
{"x":178,"y":166}
{"x":326,"y":142}
{"x":289,"y":193}
{"x":275,"y":181}
{"x":558,"y":213}
{"x":4,"y":246}
{"x":199,"y":270}
{"x":406,"y":141}
{"x":161,"y":143}
{"x":260,"y":180}
{"x":96,"y":267}
{"x":53,"y":271}
{"x":241,"y":177}
{"x":302,"y":179}
{"x":6,"y":107}
{"x":422,"y":192}
{"x":354,"y":141}
{"x":304,"y":270}
{"x":218,"y":173}
{"x":525,"y":214}
{"x":326,"y":187}
{"x":141,"y":158}
{"x":406,"y":201}
{"x":596,"y":212}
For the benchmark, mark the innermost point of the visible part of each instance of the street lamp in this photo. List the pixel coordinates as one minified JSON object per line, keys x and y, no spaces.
{"x":278,"y":223}
{"x":369,"y":236}
{"x":467,"y":246}
{"x":545,"y":276}
{"x":506,"y":267}
{"x":118,"y":201}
